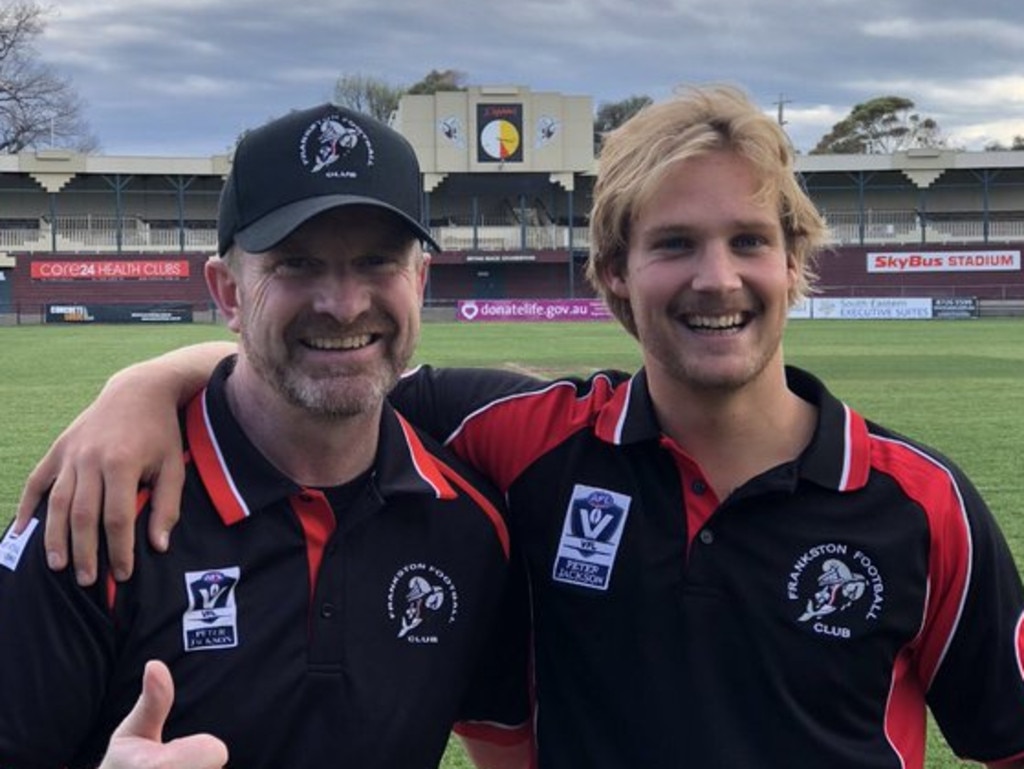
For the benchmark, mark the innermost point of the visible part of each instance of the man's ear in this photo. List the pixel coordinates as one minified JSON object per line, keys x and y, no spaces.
{"x":792,"y":278}
{"x":223,"y":287}
{"x":612,"y":275}
{"x":424,"y":273}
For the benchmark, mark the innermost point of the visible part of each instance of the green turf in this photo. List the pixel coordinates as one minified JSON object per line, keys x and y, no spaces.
{"x":958,"y":385}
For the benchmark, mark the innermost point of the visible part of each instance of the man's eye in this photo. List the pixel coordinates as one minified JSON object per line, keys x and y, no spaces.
{"x":671,"y":244}
{"x":294,"y":265}
{"x":748,"y":241}
{"x":377,"y":262}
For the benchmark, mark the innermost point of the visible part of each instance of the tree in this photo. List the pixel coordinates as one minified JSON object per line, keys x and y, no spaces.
{"x":1016,"y":144}
{"x":379,"y":99}
{"x":439,"y":80}
{"x":38,"y":108}
{"x":882,"y":125}
{"x":369,"y":95}
{"x":610,"y":115}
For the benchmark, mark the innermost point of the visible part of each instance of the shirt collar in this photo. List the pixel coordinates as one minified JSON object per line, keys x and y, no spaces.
{"x":241,"y":481}
{"x":837,"y":457}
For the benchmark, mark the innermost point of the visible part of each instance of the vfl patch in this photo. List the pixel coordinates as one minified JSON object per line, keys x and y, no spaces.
{"x":590,"y":539}
{"x":835,"y":590}
{"x":422,"y":601}
{"x":13,"y":545}
{"x":211,"y":620}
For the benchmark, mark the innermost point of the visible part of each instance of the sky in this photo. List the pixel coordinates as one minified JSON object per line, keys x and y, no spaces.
{"x":183,"y":78}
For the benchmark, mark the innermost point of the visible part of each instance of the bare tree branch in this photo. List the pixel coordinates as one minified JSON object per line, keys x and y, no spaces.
{"x":38,"y":107}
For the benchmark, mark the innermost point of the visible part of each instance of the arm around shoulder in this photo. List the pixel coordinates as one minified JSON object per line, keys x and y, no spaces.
{"x":127,"y":436}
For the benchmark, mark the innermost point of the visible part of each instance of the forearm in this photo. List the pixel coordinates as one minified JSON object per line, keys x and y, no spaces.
{"x":179,"y":374}
{"x":128,"y":436}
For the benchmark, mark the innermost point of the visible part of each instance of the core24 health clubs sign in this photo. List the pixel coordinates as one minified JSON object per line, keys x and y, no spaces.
{"x":109,"y":269}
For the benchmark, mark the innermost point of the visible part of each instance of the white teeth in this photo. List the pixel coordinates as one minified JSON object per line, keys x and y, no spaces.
{"x":343,"y":343}
{"x":715,"y":321}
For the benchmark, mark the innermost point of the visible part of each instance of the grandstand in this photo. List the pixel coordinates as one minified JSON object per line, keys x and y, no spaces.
{"x":507,"y":179}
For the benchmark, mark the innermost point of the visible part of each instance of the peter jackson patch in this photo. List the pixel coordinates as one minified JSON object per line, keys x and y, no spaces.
{"x":591,"y":533}
{"x":211,"y":620}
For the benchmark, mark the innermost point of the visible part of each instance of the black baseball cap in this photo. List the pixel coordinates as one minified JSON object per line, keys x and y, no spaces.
{"x":297,"y":166}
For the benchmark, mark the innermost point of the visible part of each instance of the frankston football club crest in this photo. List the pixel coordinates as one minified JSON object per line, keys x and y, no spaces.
{"x":591,"y":532}
{"x":547,"y":128}
{"x":836,"y":590}
{"x":335,"y":146}
{"x":452,"y":130}
{"x":422,"y":601}
{"x":211,"y":620}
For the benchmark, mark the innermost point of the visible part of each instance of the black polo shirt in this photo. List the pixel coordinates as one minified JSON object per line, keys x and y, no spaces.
{"x":301,"y":635}
{"x":804,"y":621}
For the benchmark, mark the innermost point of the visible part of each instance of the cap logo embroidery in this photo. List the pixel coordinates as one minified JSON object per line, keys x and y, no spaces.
{"x":211,"y":620}
{"x":836,"y":590}
{"x":422,"y":598}
{"x":330,"y":140}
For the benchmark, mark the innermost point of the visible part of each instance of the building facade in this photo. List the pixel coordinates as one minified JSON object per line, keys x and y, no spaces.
{"x":507,"y":180}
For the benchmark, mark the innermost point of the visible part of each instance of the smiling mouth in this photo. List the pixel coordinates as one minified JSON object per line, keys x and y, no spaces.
{"x":717,"y":323}
{"x":333,"y":343}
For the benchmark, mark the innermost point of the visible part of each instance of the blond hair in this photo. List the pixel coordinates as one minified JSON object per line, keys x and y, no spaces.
{"x":636,"y":157}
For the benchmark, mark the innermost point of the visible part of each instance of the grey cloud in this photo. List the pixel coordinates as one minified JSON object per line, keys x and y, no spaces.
{"x":191,"y":74}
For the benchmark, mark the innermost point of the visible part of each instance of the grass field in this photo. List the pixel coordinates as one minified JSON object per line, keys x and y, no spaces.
{"x":958,"y":386}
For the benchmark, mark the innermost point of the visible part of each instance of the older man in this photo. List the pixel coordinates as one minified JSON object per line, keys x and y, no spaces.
{"x":329,"y":598}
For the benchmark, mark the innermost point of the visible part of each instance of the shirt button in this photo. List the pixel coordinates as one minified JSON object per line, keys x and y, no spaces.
{"x":706,"y":536}
{"x":327,"y":610}
{"x":698,"y":487}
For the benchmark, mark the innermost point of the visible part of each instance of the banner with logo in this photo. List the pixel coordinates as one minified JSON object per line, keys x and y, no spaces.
{"x":109,"y":269}
{"x":517,"y":310}
{"x":871,"y":308}
{"x":163,"y":312}
{"x":943,"y":261}
{"x":499,"y":133}
{"x":956,"y":307}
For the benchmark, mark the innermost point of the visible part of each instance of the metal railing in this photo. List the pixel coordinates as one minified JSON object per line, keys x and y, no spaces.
{"x":851,"y":228}
{"x":85,"y":234}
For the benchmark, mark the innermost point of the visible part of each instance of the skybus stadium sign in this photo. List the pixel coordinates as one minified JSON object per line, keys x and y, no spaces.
{"x":943,"y":261}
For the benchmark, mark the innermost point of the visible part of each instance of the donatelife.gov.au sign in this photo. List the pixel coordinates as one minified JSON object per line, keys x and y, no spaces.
{"x":511,"y":310}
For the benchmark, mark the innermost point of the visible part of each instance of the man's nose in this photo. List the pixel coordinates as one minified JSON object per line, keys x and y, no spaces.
{"x":717,"y":268}
{"x":342,"y":294}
